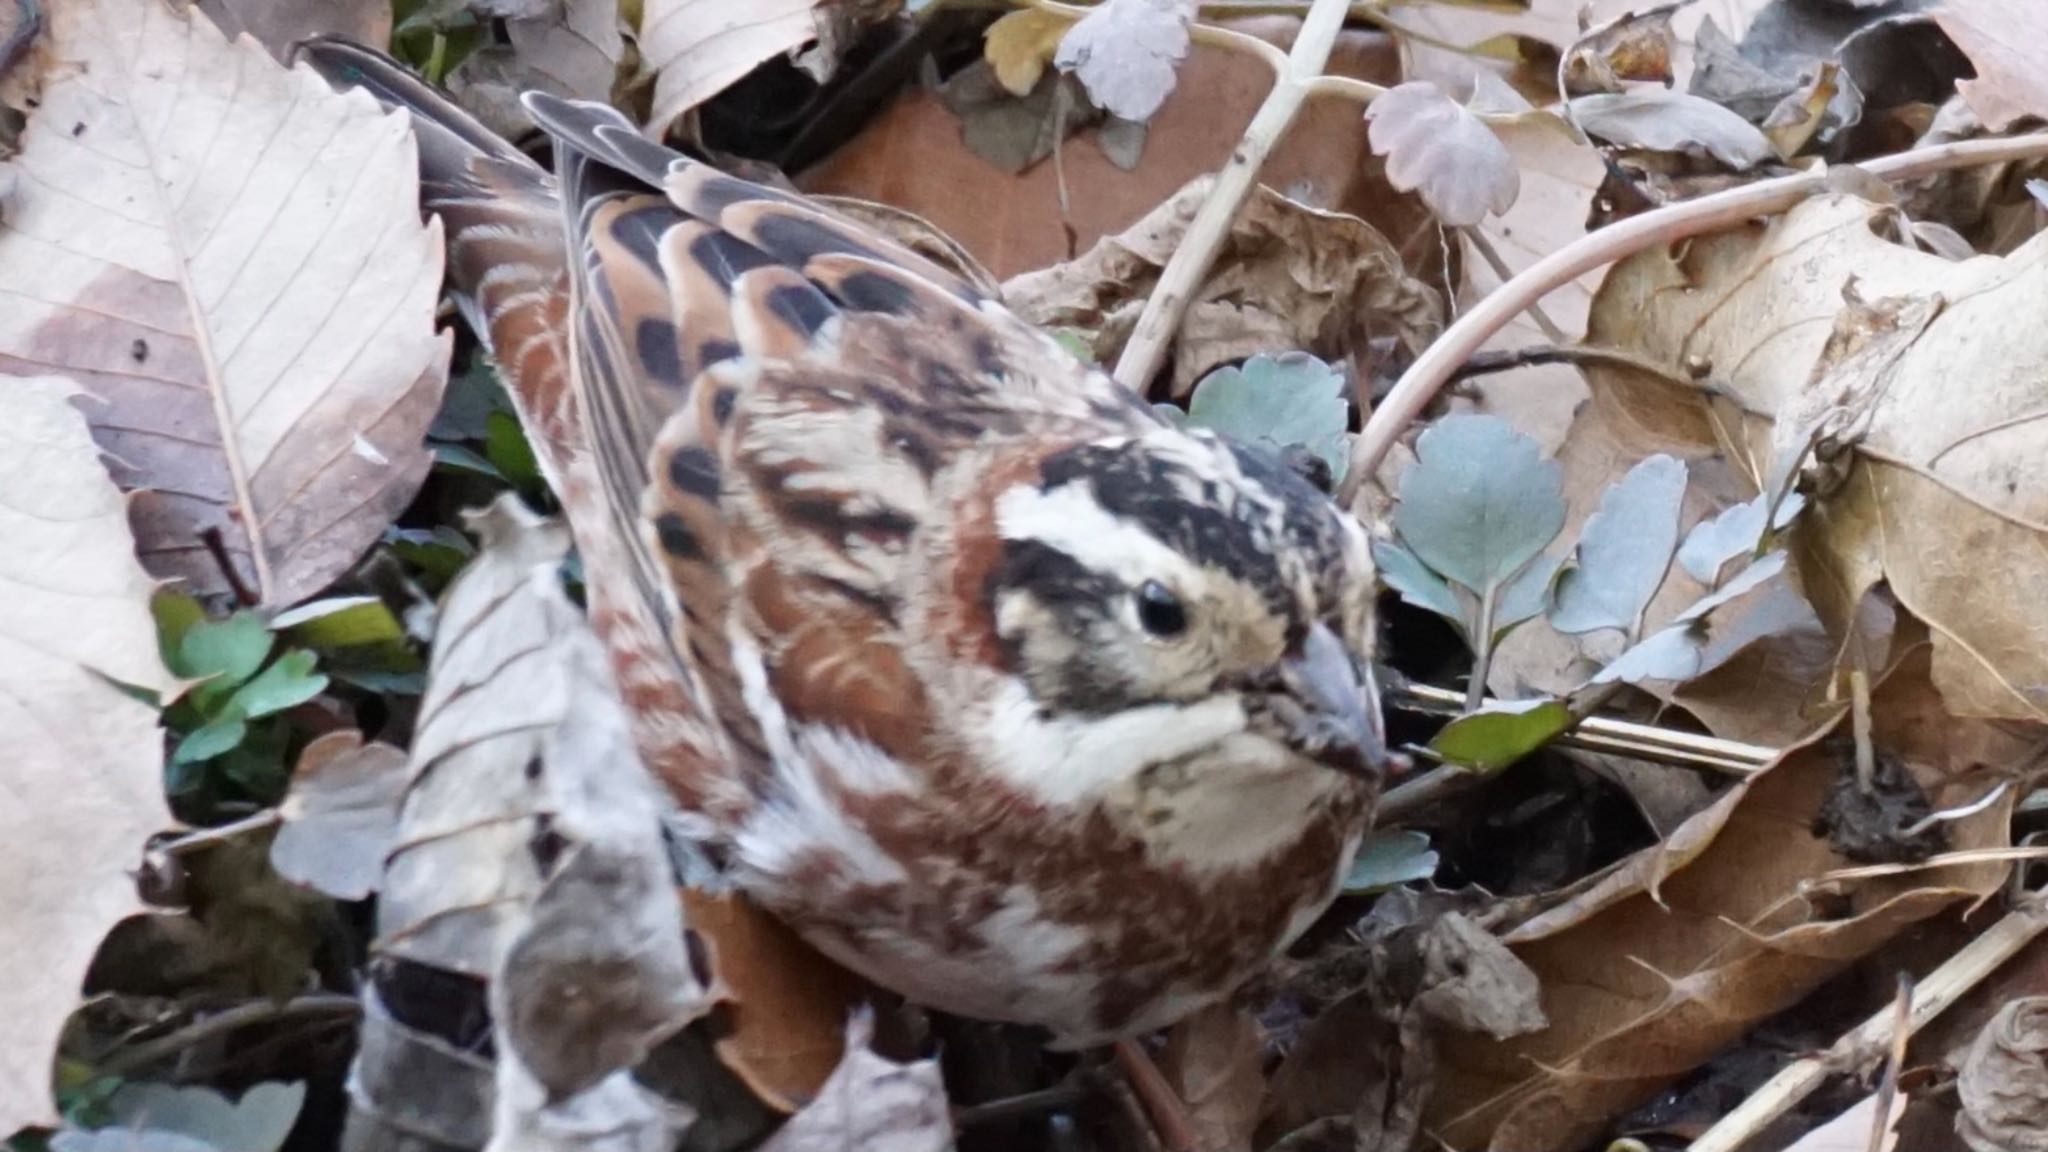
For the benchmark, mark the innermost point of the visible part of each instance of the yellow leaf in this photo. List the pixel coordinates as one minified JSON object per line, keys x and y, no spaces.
{"x":1021,"y":44}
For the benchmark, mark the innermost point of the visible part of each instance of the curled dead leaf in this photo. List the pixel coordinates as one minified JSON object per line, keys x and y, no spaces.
{"x":260,"y":326}
{"x":871,"y":1101}
{"x":2004,"y":1081}
{"x":698,"y":48}
{"x":1290,"y":277}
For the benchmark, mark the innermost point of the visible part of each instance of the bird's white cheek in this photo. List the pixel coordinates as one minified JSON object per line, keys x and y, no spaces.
{"x":1062,"y":759}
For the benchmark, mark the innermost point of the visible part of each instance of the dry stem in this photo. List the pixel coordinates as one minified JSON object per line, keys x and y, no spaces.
{"x":1624,"y":238}
{"x":1943,"y":987}
{"x":1146,"y":350}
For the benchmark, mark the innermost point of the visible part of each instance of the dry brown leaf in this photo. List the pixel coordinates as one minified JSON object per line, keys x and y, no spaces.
{"x":788,"y":1004}
{"x":871,"y":1102}
{"x":698,"y":48}
{"x":1666,"y":121}
{"x":1635,"y":46}
{"x":1021,"y":44}
{"x":1684,"y":947}
{"x":1215,"y":1061}
{"x":341,"y":815}
{"x":1928,"y":486}
{"x":83,"y":770}
{"x":913,"y":156}
{"x":2003,"y":39}
{"x":2004,"y":1081}
{"x":228,"y":254}
{"x":1289,"y":277}
{"x":1437,"y":148}
{"x":278,"y":24}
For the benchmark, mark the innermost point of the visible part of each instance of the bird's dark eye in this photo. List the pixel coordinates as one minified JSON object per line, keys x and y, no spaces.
{"x":1160,"y":611}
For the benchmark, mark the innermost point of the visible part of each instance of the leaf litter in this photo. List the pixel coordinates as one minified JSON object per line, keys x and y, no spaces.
{"x":1782,"y":371}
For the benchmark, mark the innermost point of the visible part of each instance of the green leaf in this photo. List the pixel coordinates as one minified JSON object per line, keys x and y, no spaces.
{"x":459,"y":458}
{"x":1277,"y":401}
{"x":506,"y":447}
{"x":214,"y":738}
{"x":1479,"y":502}
{"x":438,"y":553}
{"x":176,"y":615}
{"x":224,"y":653}
{"x":1401,"y":571}
{"x":289,"y":682}
{"x":1625,"y":550}
{"x":341,"y":622}
{"x":1501,"y":733}
{"x":1387,"y":859}
{"x":469,"y":402}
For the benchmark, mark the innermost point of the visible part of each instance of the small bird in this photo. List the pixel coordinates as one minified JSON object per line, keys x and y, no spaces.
{"x":999,"y":688}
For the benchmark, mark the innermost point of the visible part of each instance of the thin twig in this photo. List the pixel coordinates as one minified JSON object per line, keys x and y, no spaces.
{"x":1183,"y":274}
{"x":217,"y":547}
{"x":208,"y":837}
{"x":1582,"y":355}
{"x":1492,"y":258}
{"x":1895,"y":1060}
{"x":234,"y":1019}
{"x":1943,"y":987}
{"x":1621,"y":239}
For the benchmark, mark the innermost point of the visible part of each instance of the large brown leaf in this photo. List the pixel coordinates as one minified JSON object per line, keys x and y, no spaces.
{"x":81,"y":781}
{"x":1685,"y":947}
{"x":1929,"y":390}
{"x":228,"y":255}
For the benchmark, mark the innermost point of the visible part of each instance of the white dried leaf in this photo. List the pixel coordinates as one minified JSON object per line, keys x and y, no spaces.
{"x":1125,"y":53}
{"x":1668,"y":121}
{"x":1442,"y":151}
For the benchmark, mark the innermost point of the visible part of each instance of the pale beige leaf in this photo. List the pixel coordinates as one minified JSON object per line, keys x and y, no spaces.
{"x":2003,"y":40}
{"x":697,"y":48}
{"x":230,"y":256}
{"x":1443,"y":152}
{"x":81,"y":783}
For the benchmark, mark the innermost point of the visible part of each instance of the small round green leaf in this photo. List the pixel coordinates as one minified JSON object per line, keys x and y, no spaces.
{"x":1501,"y":733}
{"x":1480,"y":501}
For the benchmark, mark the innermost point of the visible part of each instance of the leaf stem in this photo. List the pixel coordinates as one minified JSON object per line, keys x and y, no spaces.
{"x":208,"y":837}
{"x":1420,"y":384}
{"x":1482,"y":650}
{"x":1182,"y":276}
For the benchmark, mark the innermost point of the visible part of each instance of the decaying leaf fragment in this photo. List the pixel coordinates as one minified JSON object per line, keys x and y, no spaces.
{"x":2004,"y":1081}
{"x":227,"y":255}
{"x":1290,"y":277}
{"x":83,"y":767}
{"x":1915,"y":480}
{"x":531,"y":853}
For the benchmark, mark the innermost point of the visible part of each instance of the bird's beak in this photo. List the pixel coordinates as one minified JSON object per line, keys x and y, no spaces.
{"x":1340,"y":723}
